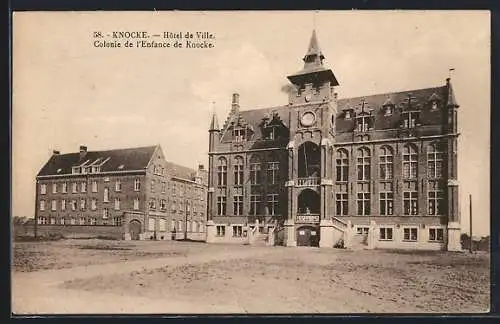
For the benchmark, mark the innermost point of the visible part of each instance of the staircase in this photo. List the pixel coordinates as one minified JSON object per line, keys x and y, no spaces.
{"x":259,"y":239}
{"x":342,"y":227}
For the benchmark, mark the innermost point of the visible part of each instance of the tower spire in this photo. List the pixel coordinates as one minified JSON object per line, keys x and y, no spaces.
{"x":214,"y":124}
{"x":313,"y":70}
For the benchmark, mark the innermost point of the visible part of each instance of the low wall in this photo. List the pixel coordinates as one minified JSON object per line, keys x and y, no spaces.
{"x":71,"y":231}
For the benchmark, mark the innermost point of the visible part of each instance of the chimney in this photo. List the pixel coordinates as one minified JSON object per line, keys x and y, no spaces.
{"x":83,"y":152}
{"x":236,"y":101}
{"x":55,"y":152}
{"x":201,"y":167}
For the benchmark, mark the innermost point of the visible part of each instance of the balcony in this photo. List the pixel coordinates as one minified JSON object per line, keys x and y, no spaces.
{"x":308,"y":182}
{"x":307,"y":218}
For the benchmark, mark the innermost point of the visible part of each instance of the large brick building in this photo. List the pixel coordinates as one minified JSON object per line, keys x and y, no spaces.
{"x":134,"y":193}
{"x":379,"y":170}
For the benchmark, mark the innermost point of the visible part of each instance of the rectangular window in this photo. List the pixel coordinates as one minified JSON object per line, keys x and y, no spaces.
{"x":52,"y":221}
{"x":82,"y":203}
{"x":81,"y":220}
{"x":105,"y":213}
{"x":42,"y":220}
{"x":238,"y":175}
{"x":238,"y":205}
{"x":163,"y":187}
{"x":386,"y":203}
{"x":254,"y":204}
{"x":254,"y":173}
{"x":221,"y":205}
{"x":93,"y":221}
{"x":93,"y":204}
{"x":163,"y":204}
{"x":53,"y":205}
{"x":74,"y":188}
{"x":83,"y":187}
{"x":73,"y":204}
{"x":410,"y":234}
{"x":239,"y":135}
{"x":237,"y":231}
{"x":117,"y":221}
{"x":117,"y":203}
{"x":72,"y":221}
{"x":152,"y":203}
{"x":179,"y":225}
{"x":43,"y":189}
{"x":436,"y":235}
{"x":106,"y":195}
{"x":94,"y":186}
{"x":118,"y":185}
{"x":435,"y":198}
{"x":54,"y":188}
{"x":385,"y":234}
{"x":162,"y":225}
{"x":362,"y":230}
{"x":363,"y":203}
{"x":342,"y":207}
{"x":63,"y":204}
{"x":221,"y":230}
{"x":172,"y":225}
{"x":221,"y":175}
{"x":272,"y":204}
{"x":136,"y":203}
{"x":64,"y":187}
{"x":152,"y":186}
{"x":273,"y":172}
{"x":151,"y":224}
{"x":137,"y":185}
{"x":410,"y":203}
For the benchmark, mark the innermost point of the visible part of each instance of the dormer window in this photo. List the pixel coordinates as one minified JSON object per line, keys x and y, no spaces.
{"x":410,"y":119}
{"x":434,"y":105}
{"x":388,"y":110}
{"x":76,"y":170}
{"x":362,"y":123}
{"x":348,"y":114}
{"x":239,"y":135}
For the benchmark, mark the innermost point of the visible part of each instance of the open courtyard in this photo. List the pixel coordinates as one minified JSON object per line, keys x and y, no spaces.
{"x":166,"y":277}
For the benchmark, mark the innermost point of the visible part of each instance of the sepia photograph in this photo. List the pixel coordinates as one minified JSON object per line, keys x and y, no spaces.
{"x":250,"y":162}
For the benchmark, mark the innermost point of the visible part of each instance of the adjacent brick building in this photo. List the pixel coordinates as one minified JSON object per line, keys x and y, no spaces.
{"x":133,"y":193}
{"x":379,"y":170}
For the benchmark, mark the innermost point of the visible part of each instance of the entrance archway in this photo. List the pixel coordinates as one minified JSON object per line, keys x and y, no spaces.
{"x":308,"y":202}
{"x":308,"y":236}
{"x":134,"y":228}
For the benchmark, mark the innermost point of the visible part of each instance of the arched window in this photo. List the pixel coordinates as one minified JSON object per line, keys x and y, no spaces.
{"x":222,"y":172}
{"x":386,"y":160}
{"x":238,"y":171}
{"x":363,"y":163}
{"x":255,"y":168}
{"x":410,"y":164}
{"x":342,"y":165}
{"x":435,"y":156}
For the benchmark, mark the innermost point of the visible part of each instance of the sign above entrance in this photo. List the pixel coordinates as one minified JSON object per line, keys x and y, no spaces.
{"x":310,"y":219}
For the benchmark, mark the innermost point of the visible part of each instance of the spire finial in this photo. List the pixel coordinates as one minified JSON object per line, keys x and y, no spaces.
{"x":450,"y":72}
{"x":214,"y":124}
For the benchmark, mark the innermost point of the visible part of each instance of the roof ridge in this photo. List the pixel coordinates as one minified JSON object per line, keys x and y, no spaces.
{"x":393,"y":92}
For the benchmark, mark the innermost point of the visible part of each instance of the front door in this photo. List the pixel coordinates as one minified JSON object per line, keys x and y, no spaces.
{"x":134,"y":228}
{"x":307,"y":236}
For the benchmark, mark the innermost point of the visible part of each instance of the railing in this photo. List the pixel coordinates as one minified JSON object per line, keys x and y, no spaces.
{"x":307,"y":218}
{"x":338,"y":222}
{"x":308,"y":182}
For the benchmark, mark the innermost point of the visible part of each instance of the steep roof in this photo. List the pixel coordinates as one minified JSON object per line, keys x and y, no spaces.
{"x":421,"y":100}
{"x":180,"y":171}
{"x":131,"y":159}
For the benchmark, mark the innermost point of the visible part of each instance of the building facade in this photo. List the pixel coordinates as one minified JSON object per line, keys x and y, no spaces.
{"x":378,"y":171}
{"x":134,"y":193}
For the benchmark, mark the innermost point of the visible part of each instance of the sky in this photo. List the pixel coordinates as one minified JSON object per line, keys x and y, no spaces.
{"x":68,"y":93}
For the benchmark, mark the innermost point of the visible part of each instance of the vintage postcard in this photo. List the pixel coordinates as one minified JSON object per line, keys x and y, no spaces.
{"x":251,"y":162}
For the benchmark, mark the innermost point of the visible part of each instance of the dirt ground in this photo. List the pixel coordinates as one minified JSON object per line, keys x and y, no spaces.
{"x":92,"y":276}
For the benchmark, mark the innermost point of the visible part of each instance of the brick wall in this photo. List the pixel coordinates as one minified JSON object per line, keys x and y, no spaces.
{"x":71,"y":231}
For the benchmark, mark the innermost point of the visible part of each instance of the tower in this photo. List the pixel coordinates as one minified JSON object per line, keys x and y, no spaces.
{"x":214,"y":137}
{"x":454,"y":229}
{"x":312,"y":111}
